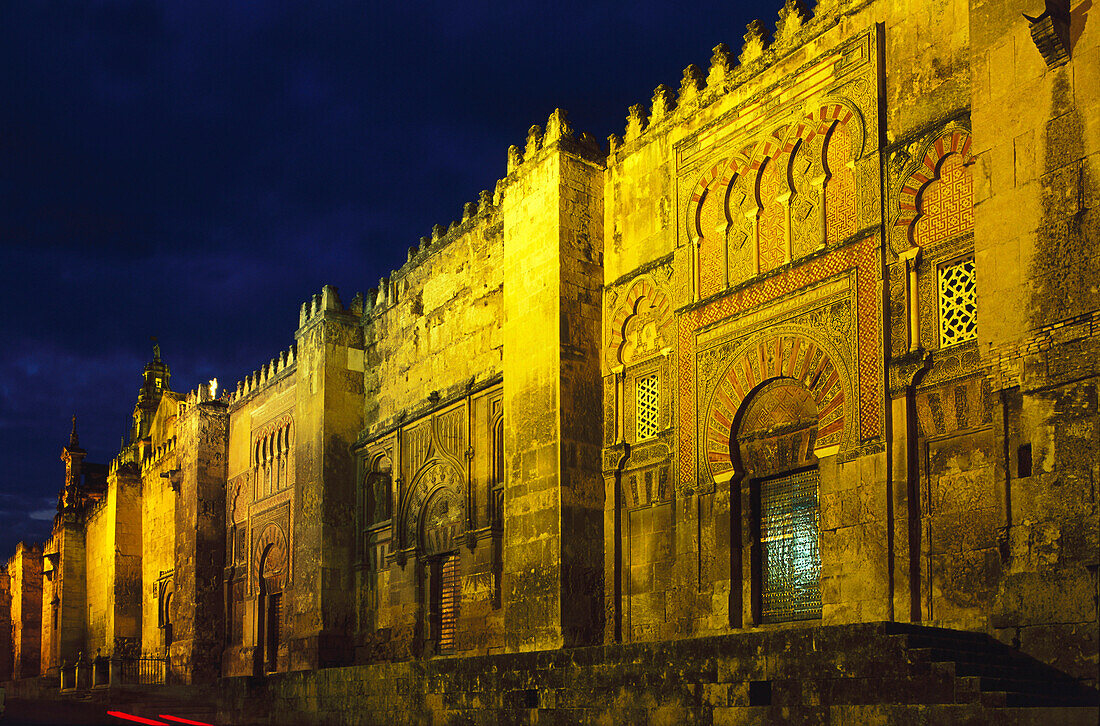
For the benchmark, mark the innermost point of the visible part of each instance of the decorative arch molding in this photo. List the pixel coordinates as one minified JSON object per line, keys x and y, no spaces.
{"x":836,"y":110}
{"x":270,"y":558}
{"x":642,"y":325}
{"x":378,"y":488}
{"x":381,"y":461}
{"x":436,"y":478}
{"x":919,"y":176}
{"x":721,"y":172}
{"x":752,"y":212}
{"x":441,"y":523}
{"x":781,"y":139}
{"x":795,"y":354}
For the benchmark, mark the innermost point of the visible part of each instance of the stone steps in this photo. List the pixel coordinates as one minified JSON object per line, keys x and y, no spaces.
{"x":990,"y":672}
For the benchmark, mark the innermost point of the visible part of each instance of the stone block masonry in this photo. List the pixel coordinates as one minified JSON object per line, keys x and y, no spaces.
{"x":808,"y":356}
{"x":861,"y":674}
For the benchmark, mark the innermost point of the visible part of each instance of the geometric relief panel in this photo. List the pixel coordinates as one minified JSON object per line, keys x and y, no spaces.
{"x":646,"y":485}
{"x":440,"y":485}
{"x":936,"y":202}
{"x":777,"y":431}
{"x":859,"y":363}
{"x":270,"y":528}
{"x":840,"y":188}
{"x":641,"y":326}
{"x":740,"y":239}
{"x":774,"y":191}
{"x":946,"y":205}
{"x":807,"y":174}
{"x":712,"y":242}
{"x":955,"y":406}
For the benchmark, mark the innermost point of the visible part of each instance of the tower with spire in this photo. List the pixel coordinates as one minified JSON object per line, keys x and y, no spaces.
{"x":154,"y":383}
{"x":73,"y":456}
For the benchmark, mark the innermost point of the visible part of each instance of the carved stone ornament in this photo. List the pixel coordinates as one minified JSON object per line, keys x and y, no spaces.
{"x":907,"y":370}
{"x":756,"y":40}
{"x":270,"y":556}
{"x":792,"y":16}
{"x":441,"y":524}
{"x":433,"y":502}
{"x":1050,"y":31}
{"x":613,"y":457}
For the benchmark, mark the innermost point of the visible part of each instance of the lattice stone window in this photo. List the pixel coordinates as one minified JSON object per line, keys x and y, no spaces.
{"x":648,"y":407}
{"x":958,"y":303}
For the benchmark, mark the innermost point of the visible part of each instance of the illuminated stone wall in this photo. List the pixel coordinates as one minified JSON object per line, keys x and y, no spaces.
{"x":1037,"y":255}
{"x":99,"y":539}
{"x":722,"y":275}
{"x":24,"y":570}
{"x":198,"y":600}
{"x":158,"y":527}
{"x":250,"y":509}
{"x":553,"y":225}
{"x":6,"y":645}
{"x":112,"y":562}
{"x":745,"y":226}
{"x":63,"y":594}
{"x":429,"y":480}
{"x":290,"y":493}
{"x":816,"y":340}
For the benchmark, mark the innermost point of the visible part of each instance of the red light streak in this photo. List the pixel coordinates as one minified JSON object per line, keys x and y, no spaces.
{"x":177,"y":719}
{"x":136,"y":719}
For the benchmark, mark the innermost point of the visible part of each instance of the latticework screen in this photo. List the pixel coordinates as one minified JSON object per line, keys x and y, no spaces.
{"x":648,"y":407}
{"x":791,"y":557}
{"x":449,"y":591}
{"x":958,"y":303}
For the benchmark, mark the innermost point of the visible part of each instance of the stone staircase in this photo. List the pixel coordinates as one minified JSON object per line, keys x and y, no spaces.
{"x":988,"y":672}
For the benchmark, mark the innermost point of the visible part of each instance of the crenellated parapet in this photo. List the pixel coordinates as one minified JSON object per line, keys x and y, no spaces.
{"x":258,"y":379}
{"x":482,"y":211}
{"x":328,"y":300}
{"x":158,"y":455}
{"x":558,"y":132}
{"x":474,"y":214}
{"x":794,"y":25}
{"x":130,"y":454}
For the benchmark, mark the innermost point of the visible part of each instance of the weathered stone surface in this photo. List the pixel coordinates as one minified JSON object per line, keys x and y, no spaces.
{"x":817,"y":342}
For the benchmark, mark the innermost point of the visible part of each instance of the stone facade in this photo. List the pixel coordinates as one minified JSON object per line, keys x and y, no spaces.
{"x":814,"y":343}
{"x":24,"y":570}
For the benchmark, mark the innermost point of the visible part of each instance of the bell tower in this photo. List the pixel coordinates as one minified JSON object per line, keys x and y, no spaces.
{"x":73,"y":456}
{"x":154,"y":383}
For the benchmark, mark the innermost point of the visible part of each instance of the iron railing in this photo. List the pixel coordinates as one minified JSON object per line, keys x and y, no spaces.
{"x":145,"y":671}
{"x":104,"y":671}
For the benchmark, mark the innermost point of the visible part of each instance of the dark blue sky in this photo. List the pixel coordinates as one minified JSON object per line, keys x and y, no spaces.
{"x":195,"y":170}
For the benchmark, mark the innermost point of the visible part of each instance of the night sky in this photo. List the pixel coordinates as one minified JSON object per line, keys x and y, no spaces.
{"x":195,"y":170}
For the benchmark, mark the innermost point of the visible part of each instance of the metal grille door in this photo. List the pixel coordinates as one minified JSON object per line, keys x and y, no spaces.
{"x":274,"y":614}
{"x":789,"y":538}
{"x":449,"y":594}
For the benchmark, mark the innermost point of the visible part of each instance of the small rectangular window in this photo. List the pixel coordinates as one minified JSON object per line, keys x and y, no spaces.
{"x":647,"y":407}
{"x":958,"y":303}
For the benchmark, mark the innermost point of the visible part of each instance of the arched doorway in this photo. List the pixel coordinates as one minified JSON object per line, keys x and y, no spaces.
{"x":440,"y":530}
{"x":772,"y":441}
{"x":269,"y":599}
